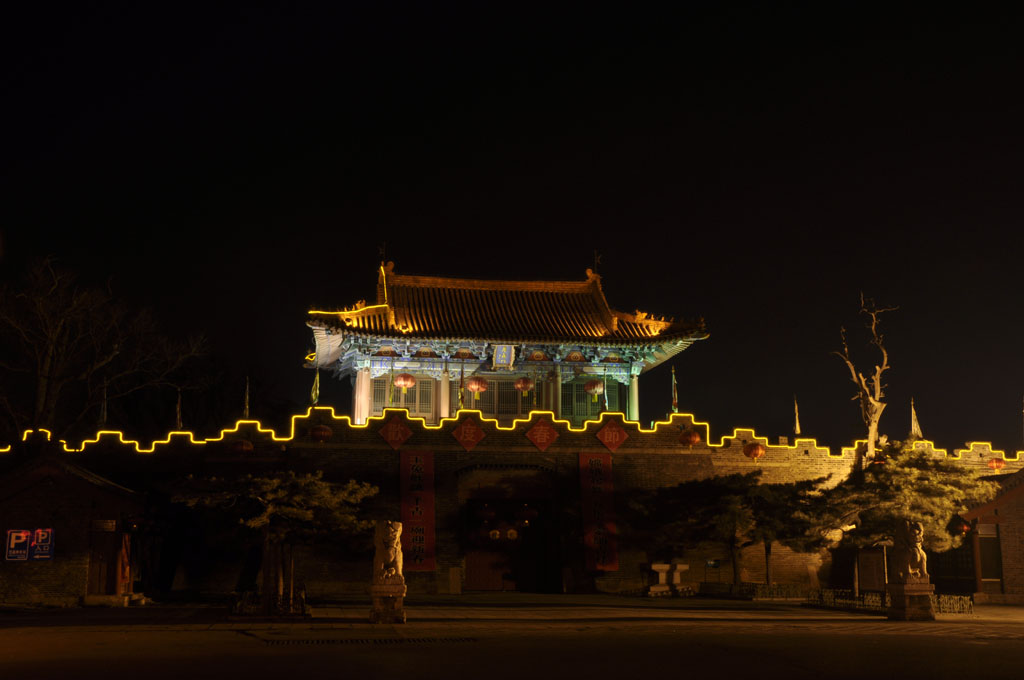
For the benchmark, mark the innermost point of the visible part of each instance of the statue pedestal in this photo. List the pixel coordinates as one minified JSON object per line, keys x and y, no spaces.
{"x":911,"y":601}
{"x":388,"y":603}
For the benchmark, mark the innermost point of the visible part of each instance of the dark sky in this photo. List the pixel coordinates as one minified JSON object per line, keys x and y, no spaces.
{"x":755,"y":166}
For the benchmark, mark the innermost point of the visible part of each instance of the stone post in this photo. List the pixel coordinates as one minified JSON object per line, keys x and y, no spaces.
{"x":661,"y":588}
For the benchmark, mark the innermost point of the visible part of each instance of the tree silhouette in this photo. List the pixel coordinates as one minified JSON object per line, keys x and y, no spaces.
{"x":67,"y":350}
{"x":282,"y":509}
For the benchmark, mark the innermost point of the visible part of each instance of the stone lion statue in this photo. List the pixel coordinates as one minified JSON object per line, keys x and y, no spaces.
{"x":387,"y":556}
{"x":909,"y":560}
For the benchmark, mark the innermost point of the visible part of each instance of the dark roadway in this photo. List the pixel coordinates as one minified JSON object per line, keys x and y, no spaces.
{"x":513,"y":637}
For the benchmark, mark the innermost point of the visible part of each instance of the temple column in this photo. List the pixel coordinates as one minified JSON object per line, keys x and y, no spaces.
{"x":445,"y":395}
{"x":361,"y":397}
{"x":556,"y":394}
{"x":634,"y":398}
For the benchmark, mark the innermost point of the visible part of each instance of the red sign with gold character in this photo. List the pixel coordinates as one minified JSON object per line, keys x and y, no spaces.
{"x":612,"y":435}
{"x":395,"y":432}
{"x":469,"y":434}
{"x":542,"y":434}
{"x":599,"y":529}
{"x":417,"y":489}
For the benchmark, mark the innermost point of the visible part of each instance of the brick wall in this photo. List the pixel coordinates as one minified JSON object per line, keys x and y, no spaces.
{"x":643,"y":460}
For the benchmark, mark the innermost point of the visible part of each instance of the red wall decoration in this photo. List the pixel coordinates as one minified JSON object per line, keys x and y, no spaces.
{"x":416,"y":470}
{"x":599,"y":529}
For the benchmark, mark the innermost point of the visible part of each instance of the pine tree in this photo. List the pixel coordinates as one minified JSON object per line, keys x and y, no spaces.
{"x":284,"y":508}
{"x":788,"y":514}
{"x":907,"y":483}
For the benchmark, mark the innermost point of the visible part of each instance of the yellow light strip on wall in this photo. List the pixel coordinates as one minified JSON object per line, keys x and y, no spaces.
{"x":674,"y":421}
{"x":957,"y":454}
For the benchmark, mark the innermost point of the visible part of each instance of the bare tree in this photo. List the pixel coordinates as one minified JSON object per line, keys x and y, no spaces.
{"x":870,"y":391}
{"x":66,"y":350}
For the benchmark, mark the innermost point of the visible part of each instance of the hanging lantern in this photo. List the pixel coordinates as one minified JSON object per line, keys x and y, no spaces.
{"x":594,"y":388}
{"x":525,"y":385}
{"x":320,"y":433}
{"x":476,"y":385}
{"x":405,"y":381}
{"x":689,"y":438}
{"x":241,"y":446}
{"x":996,"y":464}
{"x":754,"y":450}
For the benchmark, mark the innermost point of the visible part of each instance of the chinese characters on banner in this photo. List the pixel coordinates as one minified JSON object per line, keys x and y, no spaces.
{"x":504,"y":356}
{"x":599,"y":530}
{"x":417,"y":487}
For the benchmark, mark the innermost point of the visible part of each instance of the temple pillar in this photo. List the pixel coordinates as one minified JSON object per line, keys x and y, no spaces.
{"x":634,"y":398}
{"x":556,"y":394}
{"x":361,"y":397}
{"x":446,"y":395}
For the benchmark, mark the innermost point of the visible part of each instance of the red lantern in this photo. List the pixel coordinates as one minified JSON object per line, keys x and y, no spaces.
{"x":996,"y":464}
{"x":405,"y":381}
{"x":689,"y":438}
{"x":241,"y":446}
{"x":754,"y":450}
{"x":594,"y":388}
{"x":524,"y":385}
{"x":476,"y":385}
{"x":320,"y":433}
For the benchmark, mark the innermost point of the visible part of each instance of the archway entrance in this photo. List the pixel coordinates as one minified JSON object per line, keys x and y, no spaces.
{"x":510,"y":530}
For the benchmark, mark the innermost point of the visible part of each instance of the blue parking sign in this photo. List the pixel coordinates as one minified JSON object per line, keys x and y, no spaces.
{"x":42,"y":545}
{"x":18,"y":543}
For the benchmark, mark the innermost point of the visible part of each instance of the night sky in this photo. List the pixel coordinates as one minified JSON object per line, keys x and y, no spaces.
{"x":758,"y":167}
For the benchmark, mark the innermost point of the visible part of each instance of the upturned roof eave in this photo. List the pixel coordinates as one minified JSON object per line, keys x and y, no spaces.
{"x":604,"y":341}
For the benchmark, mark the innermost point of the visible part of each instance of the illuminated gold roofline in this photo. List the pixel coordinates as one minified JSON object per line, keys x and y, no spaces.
{"x":475,"y":308}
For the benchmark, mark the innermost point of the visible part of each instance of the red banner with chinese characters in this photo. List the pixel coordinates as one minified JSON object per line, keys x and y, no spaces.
{"x":417,"y":487}
{"x":599,"y":530}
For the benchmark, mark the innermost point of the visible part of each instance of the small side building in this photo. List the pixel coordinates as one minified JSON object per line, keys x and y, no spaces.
{"x":997,"y":540}
{"x":67,"y":535}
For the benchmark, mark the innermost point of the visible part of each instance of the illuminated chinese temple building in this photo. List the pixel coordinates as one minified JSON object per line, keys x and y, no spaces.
{"x":527,"y":487}
{"x":429,"y":344}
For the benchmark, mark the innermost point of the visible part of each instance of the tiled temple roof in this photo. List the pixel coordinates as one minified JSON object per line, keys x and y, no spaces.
{"x":437,"y":307}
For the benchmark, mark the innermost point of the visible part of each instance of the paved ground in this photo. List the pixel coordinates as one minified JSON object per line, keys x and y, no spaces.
{"x":513,"y":636}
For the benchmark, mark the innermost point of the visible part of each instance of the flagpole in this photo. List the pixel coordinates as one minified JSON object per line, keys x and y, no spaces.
{"x":796,"y":418}
{"x":675,"y":392}
{"x":177,"y":413}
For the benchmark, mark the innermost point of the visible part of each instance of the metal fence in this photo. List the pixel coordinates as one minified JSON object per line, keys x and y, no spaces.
{"x":878,"y":602}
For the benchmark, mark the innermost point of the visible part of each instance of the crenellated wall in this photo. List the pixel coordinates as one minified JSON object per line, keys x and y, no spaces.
{"x":470,"y":453}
